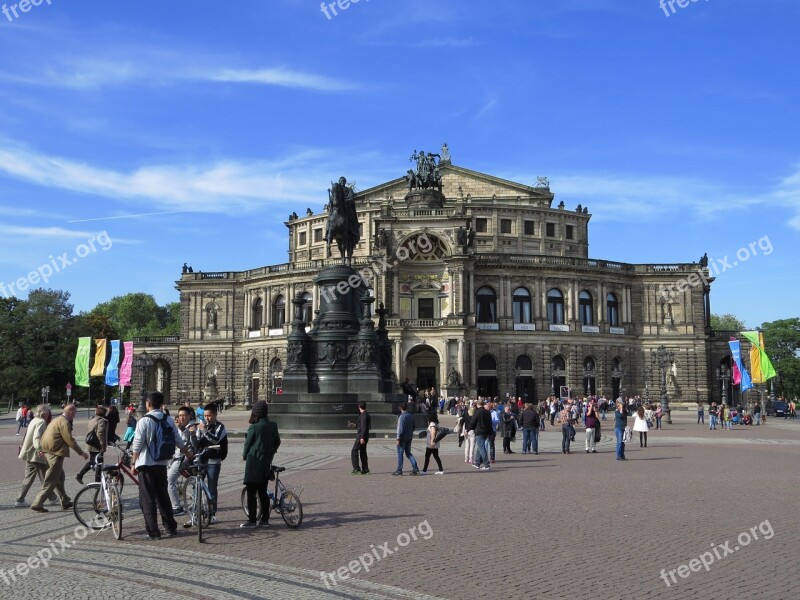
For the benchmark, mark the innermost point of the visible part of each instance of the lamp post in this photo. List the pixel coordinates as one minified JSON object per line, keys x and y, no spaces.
{"x":45,"y":391}
{"x":724,"y":376}
{"x":228,"y":378}
{"x":662,"y":358}
{"x":248,"y":402}
{"x":142,"y":362}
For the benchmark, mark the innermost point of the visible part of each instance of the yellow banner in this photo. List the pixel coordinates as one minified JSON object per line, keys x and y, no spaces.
{"x":99,"y":364}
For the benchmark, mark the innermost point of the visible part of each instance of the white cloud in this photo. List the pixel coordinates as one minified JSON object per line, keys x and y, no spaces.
{"x":221,"y":187}
{"x":280,"y":77}
{"x":162,"y":69}
{"x":39,"y":233}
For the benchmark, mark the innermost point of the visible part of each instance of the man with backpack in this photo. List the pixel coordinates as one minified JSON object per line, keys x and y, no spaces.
{"x":153,"y":447}
{"x":212,"y":433}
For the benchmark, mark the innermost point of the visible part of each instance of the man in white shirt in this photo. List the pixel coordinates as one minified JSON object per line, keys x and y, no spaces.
{"x":153,"y":486}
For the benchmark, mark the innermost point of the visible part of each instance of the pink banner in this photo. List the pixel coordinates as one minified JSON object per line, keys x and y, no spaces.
{"x":127,"y":364}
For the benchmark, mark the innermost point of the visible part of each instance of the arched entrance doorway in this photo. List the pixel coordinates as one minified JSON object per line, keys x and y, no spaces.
{"x":487,"y":376}
{"x":422,"y":367}
{"x":525,"y":384}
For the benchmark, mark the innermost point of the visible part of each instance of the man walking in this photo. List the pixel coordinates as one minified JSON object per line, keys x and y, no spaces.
{"x":701,"y":411}
{"x":56,"y":442}
{"x":565,"y":419}
{"x":405,"y":433}
{"x":362,"y":438}
{"x":481,"y":424}
{"x":152,"y":470}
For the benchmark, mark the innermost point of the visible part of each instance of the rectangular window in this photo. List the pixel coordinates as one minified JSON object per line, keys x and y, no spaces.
{"x":318,"y":235}
{"x":530,"y":228}
{"x":302,"y":238}
{"x":569,"y":232}
{"x":481,"y":225}
{"x":550,"y":230}
{"x":505,"y":225}
{"x":425,"y":308}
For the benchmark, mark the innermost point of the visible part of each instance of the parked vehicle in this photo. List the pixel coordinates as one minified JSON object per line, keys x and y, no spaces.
{"x":778,"y":409}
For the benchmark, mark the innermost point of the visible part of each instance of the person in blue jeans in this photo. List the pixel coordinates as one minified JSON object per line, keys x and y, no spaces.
{"x":212,"y":433}
{"x":620,"y":423}
{"x":405,"y":433}
{"x":481,"y":424}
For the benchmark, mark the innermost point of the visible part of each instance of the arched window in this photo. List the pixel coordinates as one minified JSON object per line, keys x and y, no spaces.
{"x":586,"y":308}
{"x":588,"y":363}
{"x":555,"y":307}
{"x":524,"y":363}
{"x":487,"y":305}
{"x":278,"y":312}
{"x":487,"y":363}
{"x":306,"y":312}
{"x":612,"y":310}
{"x":257,"y":317}
{"x":522,"y":306}
{"x":558,"y":364}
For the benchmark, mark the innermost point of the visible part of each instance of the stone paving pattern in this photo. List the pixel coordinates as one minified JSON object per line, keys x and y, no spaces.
{"x":547,"y":526}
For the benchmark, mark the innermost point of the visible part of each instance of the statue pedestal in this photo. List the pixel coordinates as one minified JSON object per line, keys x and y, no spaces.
{"x":425,"y":198}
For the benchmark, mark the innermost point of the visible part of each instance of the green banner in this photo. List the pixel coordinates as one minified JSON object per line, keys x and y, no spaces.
{"x":82,"y":362}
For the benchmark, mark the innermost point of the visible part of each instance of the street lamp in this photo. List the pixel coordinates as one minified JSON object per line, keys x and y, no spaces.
{"x":249,"y":394}
{"x":228,"y":378}
{"x":661,"y":359}
{"x":45,"y":394}
{"x":724,"y":376}
{"x":142,"y":362}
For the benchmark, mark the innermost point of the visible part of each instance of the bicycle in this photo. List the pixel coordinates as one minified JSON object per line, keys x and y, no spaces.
{"x":99,"y":505}
{"x":287,"y":502}
{"x":196,"y":495}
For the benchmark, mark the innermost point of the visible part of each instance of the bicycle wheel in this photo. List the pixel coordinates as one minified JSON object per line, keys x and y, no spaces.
{"x":187,"y":493}
{"x":203,"y":513}
{"x":291,"y":509}
{"x":118,"y":479}
{"x":89,"y":507}
{"x":260,"y":509}
{"x":115,"y":511}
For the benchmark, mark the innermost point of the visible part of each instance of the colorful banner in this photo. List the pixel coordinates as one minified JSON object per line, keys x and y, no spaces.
{"x":112,"y":372}
{"x":99,"y":364}
{"x":82,"y":362}
{"x":759,"y":357}
{"x":740,"y":375}
{"x":127,"y":364}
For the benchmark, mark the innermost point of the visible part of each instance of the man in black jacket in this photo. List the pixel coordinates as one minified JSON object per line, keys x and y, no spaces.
{"x":481,"y":423}
{"x":530,"y":421}
{"x":362,"y":437}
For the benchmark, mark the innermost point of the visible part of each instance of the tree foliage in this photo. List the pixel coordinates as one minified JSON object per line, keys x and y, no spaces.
{"x":782,"y":343}
{"x":727,"y":322}
{"x":39,"y":338}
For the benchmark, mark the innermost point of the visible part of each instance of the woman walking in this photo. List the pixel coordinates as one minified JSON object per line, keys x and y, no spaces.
{"x":592,"y":423}
{"x":509,"y":425}
{"x":432,"y":446}
{"x":640,"y":425}
{"x":469,"y":436}
{"x":260,"y":445}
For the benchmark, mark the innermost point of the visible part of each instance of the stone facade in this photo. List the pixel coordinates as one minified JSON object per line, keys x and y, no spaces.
{"x":492,"y":293}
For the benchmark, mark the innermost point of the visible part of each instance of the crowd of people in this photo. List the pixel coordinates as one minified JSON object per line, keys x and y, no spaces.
{"x":193,"y":433}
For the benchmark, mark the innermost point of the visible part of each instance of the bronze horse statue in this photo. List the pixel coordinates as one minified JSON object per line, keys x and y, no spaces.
{"x":342,"y":221}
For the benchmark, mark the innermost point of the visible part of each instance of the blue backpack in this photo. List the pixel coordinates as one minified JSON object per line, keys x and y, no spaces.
{"x":163,"y":442}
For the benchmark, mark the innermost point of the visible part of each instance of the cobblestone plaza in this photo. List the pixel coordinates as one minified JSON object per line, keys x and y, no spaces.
{"x":546,"y":526}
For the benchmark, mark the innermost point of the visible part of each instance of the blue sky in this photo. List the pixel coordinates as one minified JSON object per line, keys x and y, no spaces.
{"x":188,"y":131}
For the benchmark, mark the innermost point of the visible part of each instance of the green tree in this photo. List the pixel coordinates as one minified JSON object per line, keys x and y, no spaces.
{"x":727,"y":322}
{"x":138,"y":314}
{"x":782,"y":343}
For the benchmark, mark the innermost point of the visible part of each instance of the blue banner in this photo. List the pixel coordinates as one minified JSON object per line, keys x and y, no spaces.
{"x":112,"y":370}
{"x":744,"y":377}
